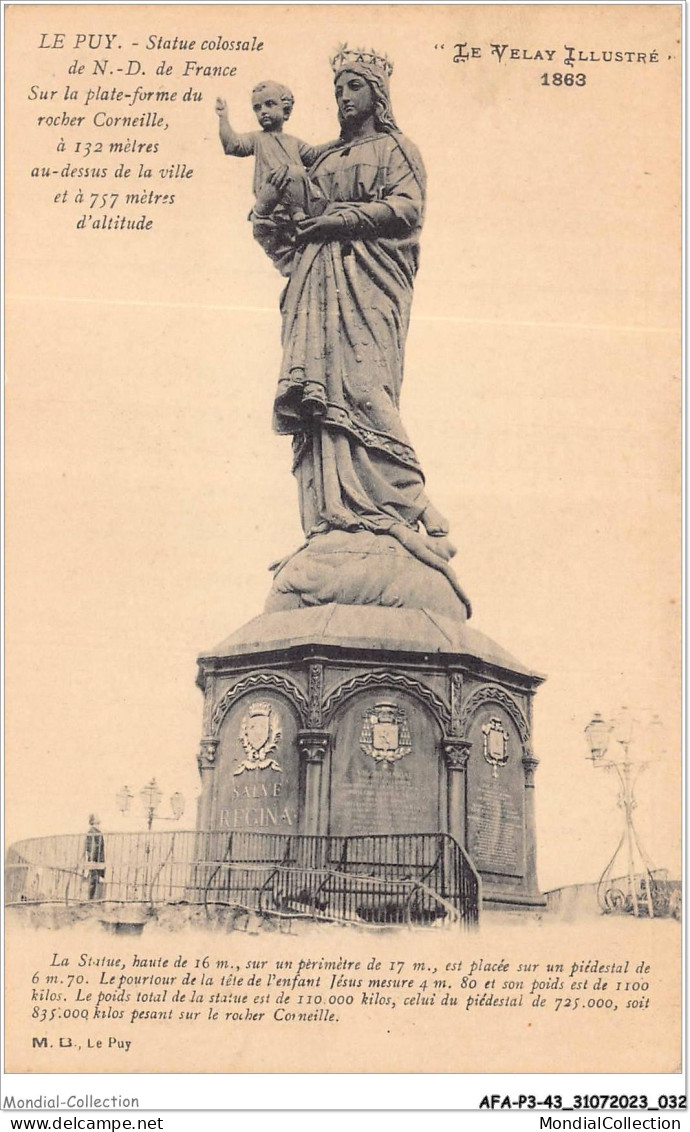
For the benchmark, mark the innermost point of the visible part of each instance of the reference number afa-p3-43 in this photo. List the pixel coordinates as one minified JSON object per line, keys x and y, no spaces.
{"x":583,"y":1101}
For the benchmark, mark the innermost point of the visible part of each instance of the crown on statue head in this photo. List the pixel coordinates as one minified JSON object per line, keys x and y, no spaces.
{"x":351,"y":55}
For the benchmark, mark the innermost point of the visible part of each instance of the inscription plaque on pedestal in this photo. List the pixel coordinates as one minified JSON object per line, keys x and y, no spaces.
{"x":385,"y":767}
{"x":496,"y":841}
{"x":257,"y":779}
{"x":495,"y":794}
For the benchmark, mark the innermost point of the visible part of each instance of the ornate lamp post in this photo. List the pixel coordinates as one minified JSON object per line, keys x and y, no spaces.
{"x":610,"y":743}
{"x":151,"y":797}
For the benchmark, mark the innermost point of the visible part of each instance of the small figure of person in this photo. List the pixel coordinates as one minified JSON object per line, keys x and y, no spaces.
{"x":94,"y":853}
{"x":275,"y":152}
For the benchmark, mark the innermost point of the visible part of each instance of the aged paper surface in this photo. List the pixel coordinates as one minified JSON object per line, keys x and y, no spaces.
{"x":147,"y":496}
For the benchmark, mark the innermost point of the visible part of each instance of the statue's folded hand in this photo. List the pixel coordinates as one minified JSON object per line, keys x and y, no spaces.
{"x":319,"y":228}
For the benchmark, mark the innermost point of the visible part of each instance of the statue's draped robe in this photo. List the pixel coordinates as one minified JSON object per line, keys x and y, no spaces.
{"x":346,"y":311}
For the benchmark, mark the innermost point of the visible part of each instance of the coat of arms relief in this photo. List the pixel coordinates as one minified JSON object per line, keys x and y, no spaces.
{"x":260,"y":734}
{"x":496,"y":750}
{"x":385,"y":733}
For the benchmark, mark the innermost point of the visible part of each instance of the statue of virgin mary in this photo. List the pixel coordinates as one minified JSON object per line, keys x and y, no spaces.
{"x":345,"y":316}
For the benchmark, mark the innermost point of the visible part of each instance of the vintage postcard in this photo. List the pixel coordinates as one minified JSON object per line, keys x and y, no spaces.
{"x":343,"y":542}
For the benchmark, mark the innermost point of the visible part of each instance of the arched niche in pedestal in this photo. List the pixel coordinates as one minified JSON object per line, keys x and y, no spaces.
{"x":386,"y":770}
{"x":496,"y":829}
{"x":256,"y":785}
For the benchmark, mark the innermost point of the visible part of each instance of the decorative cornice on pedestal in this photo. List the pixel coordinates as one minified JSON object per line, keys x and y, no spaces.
{"x":494,"y":694}
{"x":530,"y":763}
{"x":313,"y":745}
{"x":258,"y":681}
{"x":438,"y":708}
{"x":207,"y":754}
{"x":456,"y":752}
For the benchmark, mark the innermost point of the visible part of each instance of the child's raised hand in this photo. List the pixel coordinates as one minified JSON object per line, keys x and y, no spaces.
{"x":221,"y":106}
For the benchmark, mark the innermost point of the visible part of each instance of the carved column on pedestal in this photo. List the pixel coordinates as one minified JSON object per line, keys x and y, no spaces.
{"x":314,"y":716}
{"x":206,"y":759}
{"x":457,"y":752}
{"x":313,"y":746}
{"x":456,"y":703}
{"x":530,"y":763}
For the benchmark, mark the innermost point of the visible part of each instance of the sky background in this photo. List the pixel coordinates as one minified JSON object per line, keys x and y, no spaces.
{"x":147,"y":495}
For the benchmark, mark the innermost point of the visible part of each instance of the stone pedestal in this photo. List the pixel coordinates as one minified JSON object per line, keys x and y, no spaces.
{"x":346,"y":719}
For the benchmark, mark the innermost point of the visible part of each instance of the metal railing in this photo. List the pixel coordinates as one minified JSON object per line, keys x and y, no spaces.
{"x":380,"y":879}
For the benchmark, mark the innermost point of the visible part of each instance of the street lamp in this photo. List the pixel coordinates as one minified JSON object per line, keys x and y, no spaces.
{"x":123,"y":799}
{"x":598,"y":732}
{"x":610,"y":743}
{"x":151,"y":797}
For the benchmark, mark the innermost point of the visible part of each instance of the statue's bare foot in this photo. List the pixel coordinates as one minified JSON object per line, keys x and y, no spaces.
{"x":433,"y":522}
